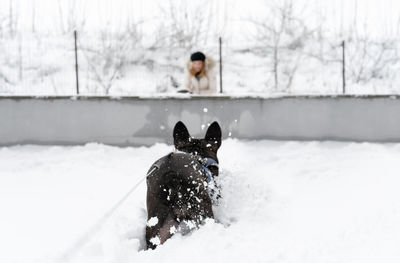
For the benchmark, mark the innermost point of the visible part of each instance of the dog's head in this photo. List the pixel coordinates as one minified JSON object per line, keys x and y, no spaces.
{"x":205,"y":148}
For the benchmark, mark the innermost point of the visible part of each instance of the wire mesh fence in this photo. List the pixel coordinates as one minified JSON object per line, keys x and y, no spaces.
{"x":119,"y":65}
{"x":36,"y":66}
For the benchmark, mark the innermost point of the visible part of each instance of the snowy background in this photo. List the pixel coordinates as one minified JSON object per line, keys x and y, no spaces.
{"x":140,"y":47}
{"x":282,"y":202}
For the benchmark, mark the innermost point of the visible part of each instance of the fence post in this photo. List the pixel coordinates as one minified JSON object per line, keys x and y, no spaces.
{"x":220,"y":65}
{"x":343,"y":67}
{"x":76,"y":63}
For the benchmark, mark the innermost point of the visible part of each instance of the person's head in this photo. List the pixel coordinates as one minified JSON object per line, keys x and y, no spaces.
{"x":198,"y":61}
{"x":197,"y":65}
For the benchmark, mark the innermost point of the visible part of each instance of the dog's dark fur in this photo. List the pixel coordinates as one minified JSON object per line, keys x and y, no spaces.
{"x":177,"y":184}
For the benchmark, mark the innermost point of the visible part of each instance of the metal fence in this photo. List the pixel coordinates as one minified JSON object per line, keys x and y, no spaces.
{"x":118,"y":65}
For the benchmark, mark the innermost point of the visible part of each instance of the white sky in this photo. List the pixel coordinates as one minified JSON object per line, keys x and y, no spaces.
{"x":379,"y":17}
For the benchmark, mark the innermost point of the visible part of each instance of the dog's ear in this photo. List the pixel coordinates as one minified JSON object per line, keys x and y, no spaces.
{"x":181,"y":134}
{"x":214,"y":134}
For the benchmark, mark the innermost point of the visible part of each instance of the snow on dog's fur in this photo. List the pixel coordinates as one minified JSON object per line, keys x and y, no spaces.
{"x":177,"y":184}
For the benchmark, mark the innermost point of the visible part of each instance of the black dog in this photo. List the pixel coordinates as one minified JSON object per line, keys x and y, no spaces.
{"x":178,"y":184}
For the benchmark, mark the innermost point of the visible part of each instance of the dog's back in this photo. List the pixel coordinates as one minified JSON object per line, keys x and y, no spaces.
{"x":176,"y":192}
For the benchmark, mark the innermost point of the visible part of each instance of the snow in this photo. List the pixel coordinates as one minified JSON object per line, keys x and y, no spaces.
{"x":123,"y":48}
{"x":282,"y":202}
{"x":152,"y":221}
{"x":378,"y":16}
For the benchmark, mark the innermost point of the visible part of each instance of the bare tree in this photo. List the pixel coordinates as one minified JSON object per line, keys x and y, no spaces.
{"x":107,"y":56}
{"x":7,"y":62}
{"x":371,"y":59}
{"x":184,"y":24}
{"x":69,"y":16}
{"x":13,"y":18}
{"x":368,"y":58}
{"x":282,"y":36}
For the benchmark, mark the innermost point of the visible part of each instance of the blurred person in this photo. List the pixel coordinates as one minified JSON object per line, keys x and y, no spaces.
{"x":199,"y":75}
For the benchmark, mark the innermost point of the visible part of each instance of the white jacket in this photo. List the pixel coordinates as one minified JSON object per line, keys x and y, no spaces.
{"x":204,"y":85}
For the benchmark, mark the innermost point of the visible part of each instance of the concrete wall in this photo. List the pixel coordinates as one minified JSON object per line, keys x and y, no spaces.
{"x":144,"y":121}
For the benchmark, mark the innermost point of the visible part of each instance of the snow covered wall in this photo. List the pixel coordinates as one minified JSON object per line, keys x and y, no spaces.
{"x":145,"y":121}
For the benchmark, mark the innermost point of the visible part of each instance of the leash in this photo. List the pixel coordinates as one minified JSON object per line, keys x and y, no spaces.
{"x":85,"y":238}
{"x":72,"y":251}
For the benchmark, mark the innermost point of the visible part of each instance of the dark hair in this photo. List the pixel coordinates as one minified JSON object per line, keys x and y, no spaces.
{"x":198,"y":56}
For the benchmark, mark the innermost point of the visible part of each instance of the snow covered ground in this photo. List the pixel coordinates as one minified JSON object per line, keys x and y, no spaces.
{"x":282,"y":202}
